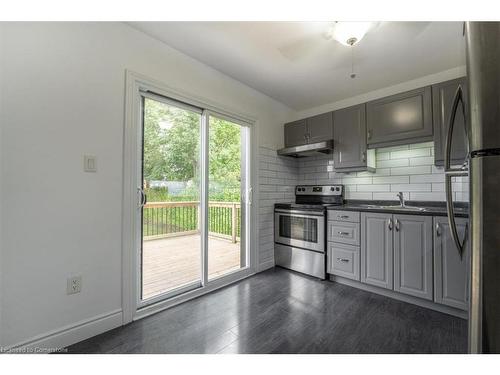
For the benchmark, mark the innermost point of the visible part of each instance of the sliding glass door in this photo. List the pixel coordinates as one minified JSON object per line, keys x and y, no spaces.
{"x":171,"y":241}
{"x":193,"y":187}
{"x":226,"y":188}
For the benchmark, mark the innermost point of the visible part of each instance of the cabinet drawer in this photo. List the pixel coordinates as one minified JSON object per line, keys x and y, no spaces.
{"x":343,"y":232}
{"x":343,"y":260}
{"x":339,"y":215}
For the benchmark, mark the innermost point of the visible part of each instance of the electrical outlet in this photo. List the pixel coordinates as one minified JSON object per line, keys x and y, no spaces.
{"x":74,"y":285}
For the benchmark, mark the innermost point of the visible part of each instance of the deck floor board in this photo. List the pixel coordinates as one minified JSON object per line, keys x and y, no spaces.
{"x":175,"y":261}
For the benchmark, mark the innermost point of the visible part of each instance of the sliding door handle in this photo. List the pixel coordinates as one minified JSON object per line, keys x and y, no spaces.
{"x":143,"y":198}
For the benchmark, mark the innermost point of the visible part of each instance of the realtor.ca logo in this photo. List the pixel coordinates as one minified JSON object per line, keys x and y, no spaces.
{"x":32,"y":350}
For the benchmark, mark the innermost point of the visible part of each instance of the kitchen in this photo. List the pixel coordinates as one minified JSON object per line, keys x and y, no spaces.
{"x":392,"y":241}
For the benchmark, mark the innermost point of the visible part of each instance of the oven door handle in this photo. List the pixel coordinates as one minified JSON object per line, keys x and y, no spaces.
{"x":306,"y":213}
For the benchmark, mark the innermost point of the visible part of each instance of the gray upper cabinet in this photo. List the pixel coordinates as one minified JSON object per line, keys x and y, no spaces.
{"x":320,"y":128}
{"x":413,"y":255}
{"x":377,"y":249}
{"x":295,"y":133}
{"x":400,"y":119}
{"x":451,"y":283}
{"x":310,"y":130}
{"x":442,"y":101}
{"x":349,"y":134}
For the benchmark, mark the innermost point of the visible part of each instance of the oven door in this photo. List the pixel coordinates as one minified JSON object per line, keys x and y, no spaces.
{"x":300,"y":229}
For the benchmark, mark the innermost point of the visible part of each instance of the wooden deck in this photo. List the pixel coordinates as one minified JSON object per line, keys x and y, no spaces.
{"x":171,"y":262}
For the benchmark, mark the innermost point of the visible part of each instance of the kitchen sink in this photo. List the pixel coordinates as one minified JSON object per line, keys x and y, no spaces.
{"x":395,"y":207}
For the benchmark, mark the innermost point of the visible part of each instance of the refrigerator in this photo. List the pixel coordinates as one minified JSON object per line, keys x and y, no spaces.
{"x":483,"y":169}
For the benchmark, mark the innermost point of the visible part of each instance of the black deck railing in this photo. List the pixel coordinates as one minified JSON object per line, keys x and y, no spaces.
{"x":165,"y":219}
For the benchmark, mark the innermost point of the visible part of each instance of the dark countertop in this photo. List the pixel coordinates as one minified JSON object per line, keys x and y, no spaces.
{"x":426,"y":208}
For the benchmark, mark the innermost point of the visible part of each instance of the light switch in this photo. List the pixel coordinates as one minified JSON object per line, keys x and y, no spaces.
{"x":89,"y":163}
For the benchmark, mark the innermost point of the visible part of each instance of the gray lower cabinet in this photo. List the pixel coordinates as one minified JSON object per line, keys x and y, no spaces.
{"x":377,"y":249}
{"x":320,"y":128}
{"x":343,"y":260}
{"x":413,"y":255}
{"x":295,"y":133}
{"x":349,"y":135}
{"x":400,"y":119}
{"x":442,"y":100}
{"x":451,"y":283}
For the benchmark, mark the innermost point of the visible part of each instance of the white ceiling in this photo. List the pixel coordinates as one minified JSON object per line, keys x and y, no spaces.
{"x":293,"y":63}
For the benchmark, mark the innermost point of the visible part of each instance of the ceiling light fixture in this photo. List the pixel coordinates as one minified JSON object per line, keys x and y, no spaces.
{"x":349,"y":33}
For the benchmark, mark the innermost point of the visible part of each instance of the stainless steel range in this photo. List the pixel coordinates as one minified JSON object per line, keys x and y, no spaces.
{"x":300,"y":229}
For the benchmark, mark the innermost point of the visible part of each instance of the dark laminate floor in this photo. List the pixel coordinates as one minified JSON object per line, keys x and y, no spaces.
{"x":279,"y":311}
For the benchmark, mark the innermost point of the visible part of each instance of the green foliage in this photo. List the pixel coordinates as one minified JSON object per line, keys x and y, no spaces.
{"x":171,"y":142}
{"x":172,"y":149}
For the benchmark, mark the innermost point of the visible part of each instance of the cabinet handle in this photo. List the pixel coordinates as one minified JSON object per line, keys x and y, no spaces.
{"x":397,"y":225}
{"x":364,"y":156}
{"x":343,"y":260}
{"x":342,"y":217}
{"x":343,"y":233}
{"x":389,"y":224}
{"x":369,"y":134}
{"x":438,"y":229}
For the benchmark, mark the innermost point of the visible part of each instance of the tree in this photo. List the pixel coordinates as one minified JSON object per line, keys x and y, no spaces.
{"x":172,"y":148}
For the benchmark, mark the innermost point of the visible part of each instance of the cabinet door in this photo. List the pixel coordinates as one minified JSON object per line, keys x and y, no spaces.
{"x":349,"y":134}
{"x":442,"y":100}
{"x":320,"y":128}
{"x":400,"y":119}
{"x":413,"y":255}
{"x":295,"y":133}
{"x":451,"y":273}
{"x":376,"y":249}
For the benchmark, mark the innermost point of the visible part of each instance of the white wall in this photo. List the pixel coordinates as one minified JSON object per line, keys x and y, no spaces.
{"x":63,"y":96}
{"x":386,"y":91}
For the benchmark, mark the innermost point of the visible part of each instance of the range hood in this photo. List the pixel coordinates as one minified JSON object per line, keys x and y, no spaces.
{"x":311,"y":149}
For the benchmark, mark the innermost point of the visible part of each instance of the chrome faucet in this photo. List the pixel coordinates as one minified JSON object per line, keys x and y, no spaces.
{"x":401,"y":199}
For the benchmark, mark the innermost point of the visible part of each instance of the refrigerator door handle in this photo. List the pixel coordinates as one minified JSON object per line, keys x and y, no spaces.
{"x":458,"y":99}
{"x":453,"y":172}
{"x":451,"y":216}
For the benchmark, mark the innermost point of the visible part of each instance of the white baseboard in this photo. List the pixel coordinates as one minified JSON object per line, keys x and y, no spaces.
{"x":61,"y":338}
{"x":265,"y":265}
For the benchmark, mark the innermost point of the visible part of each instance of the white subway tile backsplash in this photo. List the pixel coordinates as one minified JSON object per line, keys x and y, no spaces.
{"x":424,"y":160}
{"x":433,"y":196}
{"x":407,"y":168}
{"x":358,"y":195}
{"x":427,"y":178}
{"x":413,"y":153}
{"x":374,"y":188}
{"x":357,"y":180}
{"x":391,"y":180}
{"x":403,"y":171}
{"x":411,"y":187}
{"x":383,"y":156}
{"x":393,"y":163}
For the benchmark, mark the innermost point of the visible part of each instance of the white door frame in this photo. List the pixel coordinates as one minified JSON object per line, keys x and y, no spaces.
{"x":135,"y":83}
